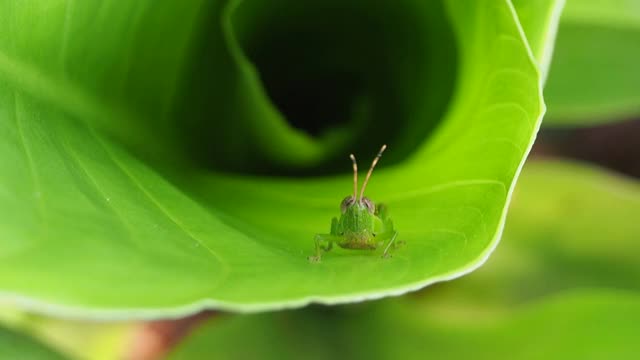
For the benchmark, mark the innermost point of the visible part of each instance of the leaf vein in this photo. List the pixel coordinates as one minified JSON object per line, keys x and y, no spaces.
{"x":95,"y":185}
{"x":29,"y":156}
{"x":157,"y":203}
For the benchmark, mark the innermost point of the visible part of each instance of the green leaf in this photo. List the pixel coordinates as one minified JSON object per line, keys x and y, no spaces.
{"x":89,"y":229}
{"x":17,"y":346}
{"x":539,"y":20}
{"x":594,"y":75}
{"x":114,"y":66}
{"x":563,"y":285}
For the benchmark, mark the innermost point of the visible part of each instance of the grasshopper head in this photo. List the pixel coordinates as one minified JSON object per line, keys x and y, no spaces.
{"x":348,"y":202}
{"x":362,"y":203}
{"x":351,"y":201}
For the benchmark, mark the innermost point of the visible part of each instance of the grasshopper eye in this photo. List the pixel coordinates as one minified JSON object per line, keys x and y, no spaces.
{"x":347,"y":202}
{"x":369,"y":204}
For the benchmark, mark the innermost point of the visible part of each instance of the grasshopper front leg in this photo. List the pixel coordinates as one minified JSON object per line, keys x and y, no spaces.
{"x":324,"y":243}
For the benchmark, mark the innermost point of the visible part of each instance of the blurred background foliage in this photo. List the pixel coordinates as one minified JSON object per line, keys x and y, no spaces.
{"x":594,"y":78}
{"x":562,"y":284}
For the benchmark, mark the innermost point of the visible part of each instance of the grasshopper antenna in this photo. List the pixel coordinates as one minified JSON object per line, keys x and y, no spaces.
{"x":355,"y":176}
{"x":373,"y":164}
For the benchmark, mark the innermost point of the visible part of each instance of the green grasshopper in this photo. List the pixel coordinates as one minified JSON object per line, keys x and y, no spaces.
{"x":362,"y":225}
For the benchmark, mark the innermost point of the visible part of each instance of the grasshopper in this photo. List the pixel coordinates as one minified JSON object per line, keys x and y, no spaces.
{"x":363,"y":225}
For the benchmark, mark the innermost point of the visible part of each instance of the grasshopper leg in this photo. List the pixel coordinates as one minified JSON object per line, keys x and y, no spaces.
{"x":324,"y":243}
{"x":392,"y":235}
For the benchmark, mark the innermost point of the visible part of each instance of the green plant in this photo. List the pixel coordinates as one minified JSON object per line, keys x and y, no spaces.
{"x":160,"y":159}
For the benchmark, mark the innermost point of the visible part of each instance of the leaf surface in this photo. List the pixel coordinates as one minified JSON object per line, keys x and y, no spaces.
{"x":539,"y":21}
{"x":89,"y":228}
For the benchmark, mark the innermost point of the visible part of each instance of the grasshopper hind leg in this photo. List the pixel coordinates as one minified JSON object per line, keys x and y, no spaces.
{"x":391,"y":244}
{"x":393,"y":235}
